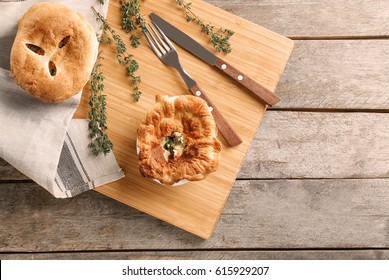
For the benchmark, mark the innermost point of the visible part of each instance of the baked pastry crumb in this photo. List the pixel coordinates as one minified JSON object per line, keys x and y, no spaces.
{"x":177,"y":140}
{"x":54,"y":52}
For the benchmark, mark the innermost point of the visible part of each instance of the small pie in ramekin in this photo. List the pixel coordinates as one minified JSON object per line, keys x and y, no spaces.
{"x":177,"y":140}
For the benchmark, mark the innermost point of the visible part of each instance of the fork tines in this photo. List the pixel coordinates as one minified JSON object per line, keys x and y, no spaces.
{"x":161,"y":46}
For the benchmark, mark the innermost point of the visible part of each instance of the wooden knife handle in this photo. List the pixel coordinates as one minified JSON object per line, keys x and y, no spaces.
{"x":264,"y":94}
{"x":224,"y":127}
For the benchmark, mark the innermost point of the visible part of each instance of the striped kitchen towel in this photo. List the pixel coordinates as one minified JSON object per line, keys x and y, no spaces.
{"x":41,"y":140}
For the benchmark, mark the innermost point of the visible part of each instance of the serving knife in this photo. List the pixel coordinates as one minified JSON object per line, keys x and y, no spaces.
{"x":188,"y":43}
{"x":167,"y":53}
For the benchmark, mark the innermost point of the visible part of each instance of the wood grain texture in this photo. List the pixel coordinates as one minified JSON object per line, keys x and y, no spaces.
{"x":320,"y":75}
{"x":309,"y":145}
{"x":194,"y":206}
{"x":208,"y":255}
{"x":339,"y":74}
{"x":265,"y":95}
{"x":226,"y":130}
{"x":279,"y":214}
{"x":259,"y":215}
{"x":319,"y":145}
{"x":8,"y":172}
{"x":315,"y":18}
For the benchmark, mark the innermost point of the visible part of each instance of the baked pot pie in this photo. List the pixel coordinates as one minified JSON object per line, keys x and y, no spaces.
{"x":177,"y":140}
{"x":54,"y":52}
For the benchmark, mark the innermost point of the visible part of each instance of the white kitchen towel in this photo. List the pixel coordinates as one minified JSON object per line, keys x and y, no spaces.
{"x":41,"y":140}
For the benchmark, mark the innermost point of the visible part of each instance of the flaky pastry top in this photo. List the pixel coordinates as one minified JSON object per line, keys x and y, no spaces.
{"x":177,"y":140}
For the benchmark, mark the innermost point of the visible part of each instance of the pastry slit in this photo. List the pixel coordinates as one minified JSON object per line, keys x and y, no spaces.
{"x":52,"y":68}
{"x":35,"y":49}
{"x":63,"y":42}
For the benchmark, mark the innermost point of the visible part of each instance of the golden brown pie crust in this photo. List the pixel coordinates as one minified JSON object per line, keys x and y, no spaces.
{"x":190,"y":117}
{"x":46,"y":25}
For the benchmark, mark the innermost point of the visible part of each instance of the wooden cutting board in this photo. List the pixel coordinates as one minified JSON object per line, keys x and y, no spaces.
{"x":258,"y":52}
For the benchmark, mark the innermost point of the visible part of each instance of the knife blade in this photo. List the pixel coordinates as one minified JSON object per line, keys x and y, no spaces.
{"x":191,"y":45}
{"x":167,"y":53}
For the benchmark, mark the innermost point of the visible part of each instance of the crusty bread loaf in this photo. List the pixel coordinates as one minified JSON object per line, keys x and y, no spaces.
{"x":54,"y":52}
{"x":194,"y":149}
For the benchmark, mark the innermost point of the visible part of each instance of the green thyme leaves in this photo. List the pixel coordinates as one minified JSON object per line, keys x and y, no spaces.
{"x":132,"y":19}
{"x":219,"y":37}
{"x":123,"y":57}
{"x":133,"y":22}
{"x":172,"y":141}
{"x":100,"y":142}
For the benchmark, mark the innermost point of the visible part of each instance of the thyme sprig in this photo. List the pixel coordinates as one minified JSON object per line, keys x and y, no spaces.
{"x":132,"y":19}
{"x":100,"y":142}
{"x":123,"y":57}
{"x":219,"y":37}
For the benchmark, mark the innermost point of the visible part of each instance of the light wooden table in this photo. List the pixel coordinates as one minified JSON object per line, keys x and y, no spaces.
{"x":314,"y":185}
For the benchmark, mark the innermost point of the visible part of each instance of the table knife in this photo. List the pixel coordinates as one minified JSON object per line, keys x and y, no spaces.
{"x":186,"y":42}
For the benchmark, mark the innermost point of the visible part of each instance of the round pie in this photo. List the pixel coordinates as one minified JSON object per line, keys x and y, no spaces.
{"x":54,"y":52}
{"x":177,"y":140}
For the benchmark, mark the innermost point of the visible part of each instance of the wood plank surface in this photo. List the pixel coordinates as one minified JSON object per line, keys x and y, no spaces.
{"x":282,"y":214}
{"x":208,"y":255}
{"x":315,"y":18}
{"x":336,"y":74}
{"x":276,"y":217}
{"x":319,"y":145}
{"x":8,"y":172}
{"x":335,"y":77}
{"x":311,"y":80}
{"x":309,"y":145}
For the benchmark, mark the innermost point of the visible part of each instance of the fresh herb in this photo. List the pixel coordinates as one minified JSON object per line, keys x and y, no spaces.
{"x":102,"y":2}
{"x":169,"y":145}
{"x":135,"y":40}
{"x":220,"y":37}
{"x":132,"y":19}
{"x":122,"y":56}
{"x":171,"y":141}
{"x":100,"y":142}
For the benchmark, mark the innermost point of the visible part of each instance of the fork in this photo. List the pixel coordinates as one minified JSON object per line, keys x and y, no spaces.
{"x":167,"y":53}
